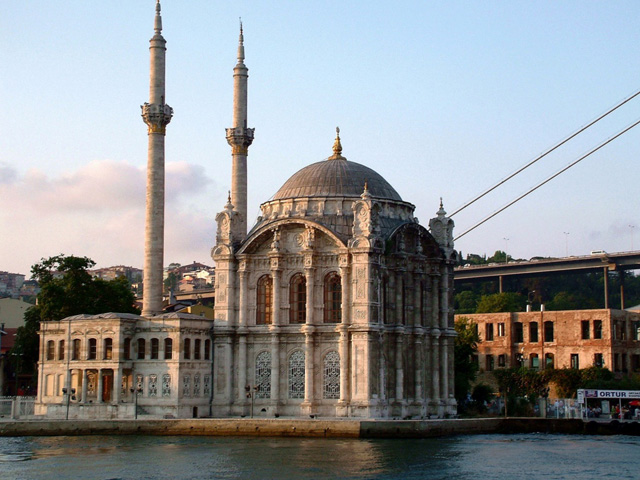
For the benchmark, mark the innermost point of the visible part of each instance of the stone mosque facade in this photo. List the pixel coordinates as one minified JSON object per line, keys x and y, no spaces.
{"x":336,"y":303}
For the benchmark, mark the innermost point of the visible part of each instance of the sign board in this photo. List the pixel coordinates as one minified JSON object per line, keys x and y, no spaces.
{"x":607,"y":394}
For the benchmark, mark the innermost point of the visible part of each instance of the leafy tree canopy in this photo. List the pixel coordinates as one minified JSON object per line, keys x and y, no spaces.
{"x":466,"y":345}
{"x":501,"y":302}
{"x":68,"y":289}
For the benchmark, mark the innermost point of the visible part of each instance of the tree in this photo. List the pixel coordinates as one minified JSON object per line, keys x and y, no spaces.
{"x":67,"y":288}
{"x":501,"y":302}
{"x":466,"y":302}
{"x":465,"y":345}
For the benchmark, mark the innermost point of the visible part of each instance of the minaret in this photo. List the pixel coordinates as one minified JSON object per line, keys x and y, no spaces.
{"x":156,"y":114}
{"x":240,"y":137}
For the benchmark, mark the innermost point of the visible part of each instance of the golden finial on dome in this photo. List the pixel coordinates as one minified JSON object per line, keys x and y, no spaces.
{"x":337,"y":147}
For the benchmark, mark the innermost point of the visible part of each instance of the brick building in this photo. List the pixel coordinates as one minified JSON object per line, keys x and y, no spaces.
{"x":573,"y":338}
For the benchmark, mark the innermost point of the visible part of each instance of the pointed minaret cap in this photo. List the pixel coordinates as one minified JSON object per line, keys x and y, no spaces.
{"x":241,"y":46}
{"x":365,"y":193}
{"x":337,"y":147}
{"x":157,"y":26}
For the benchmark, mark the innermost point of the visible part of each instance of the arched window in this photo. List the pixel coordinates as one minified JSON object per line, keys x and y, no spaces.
{"x":332,"y":298}
{"x":187,"y":349}
{"x":548,"y":360}
{"x":207,"y":349}
{"x":51,"y":349}
{"x":168,"y":349}
{"x":155,"y":348}
{"x":141,"y":348}
{"x":298,"y":299}
{"x":331,"y":376}
{"x":548,"y":331}
{"x":61,"y":350}
{"x":197,"y":348}
{"x":296,"y":374}
{"x":263,"y":375}
{"x":76,"y":349}
{"x":534,"y":361}
{"x":127,"y":348}
{"x":92,"y":354}
{"x":264,"y":300}
{"x":108,"y":349}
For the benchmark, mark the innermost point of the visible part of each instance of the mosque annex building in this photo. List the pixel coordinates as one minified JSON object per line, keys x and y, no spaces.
{"x":336,"y":303}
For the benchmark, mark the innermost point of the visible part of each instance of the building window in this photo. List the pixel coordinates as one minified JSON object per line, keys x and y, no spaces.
{"x":197,"y":347}
{"x":502,"y":360}
{"x":296,"y":374}
{"x":548,"y":331}
{"x":616,"y":362}
{"x":575,"y":361}
{"x":207,"y":349}
{"x":61,"y":350}
{"x":297,"y":299}
{"x":518,"y":333}
{"x":107,"y":345}
{"x":585,"y":329}
{"x":155,"y":348}
{"x":489,"y":363}
{"x":141,"y":349}
{"x":264,"y":300}
{"x":331,"y":376}
{"x":597,"y":329}
{"x":488,"y":332}
{"x":598,"y":360}
{"x":635,"y":362}
{"x":635,"y":334}
{"x":127,"y":348}
{"x":93,"y":349}
{"x":168,"y":348}
{"x":51,"y":350}
{"x":623,"y":330}
{"x":332,"y":298}
{"x":263,"y":375}
{"x":187,"y":349}
{"x":501,"y":332}
{"x":548,"y":360}
{"x":533,"y":332}
{"x":534,"y":361}
{"x":75,"y":355}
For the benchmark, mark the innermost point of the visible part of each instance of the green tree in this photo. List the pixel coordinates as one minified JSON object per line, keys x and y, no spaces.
{"x":67,"y":288}
{"x":465,"y":346}
{"x":501,"y":302}
{"x":466,"y":302}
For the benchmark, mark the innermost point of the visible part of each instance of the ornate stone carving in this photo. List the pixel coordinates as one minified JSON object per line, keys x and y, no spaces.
{"x":156,"y":116}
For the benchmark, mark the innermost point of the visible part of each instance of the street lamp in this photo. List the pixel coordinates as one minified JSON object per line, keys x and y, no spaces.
{"x":251,"y":395}
{"x":135,"y":392}
{"x":566,"y":243}
{"x":71,"y":395}
{"x":632,"y":227}
{"x":506,"y":255}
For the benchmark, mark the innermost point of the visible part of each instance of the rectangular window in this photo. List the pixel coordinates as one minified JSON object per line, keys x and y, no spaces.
{"x":489,"y":363}
{"x":597,"y":329}
{"x":518,"y":333}
{"x":635,"y":362}
{"x":197,"y":346}
{"x":501,"y":330}
{"x":616,"y":362}
{"x":127,"y":348}
{"x":575,"y":361}
{"x":533,"y":332}
{"x":168,"y":349}
{"x":534,"y":361}
{"x":61,"y":350}
{"x":548,"y":331}
{"x":623,"y":330}
{"x":502,"y":360}
{"x":585,"y":329}
{"x":155,"y":348}
{"x":51,"y":346}
{"x":598,"y":360}
{"x":187,"y":349}
{"x":207,"y":349}
{"x":141,"y":349}
{"x":92,"y":354}
{"x":108,"y":348}
{"x":624,"y":362}
{"x":635,"y":334}
{"x":76,"y":349}
{"x":488,"y":332}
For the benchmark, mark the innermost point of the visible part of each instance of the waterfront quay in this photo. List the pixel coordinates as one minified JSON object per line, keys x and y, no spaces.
{"x":330,"y":428}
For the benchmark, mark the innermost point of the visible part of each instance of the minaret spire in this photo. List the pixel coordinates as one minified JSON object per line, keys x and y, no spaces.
{"x":240,"y":137}
{"x":156,"y":114}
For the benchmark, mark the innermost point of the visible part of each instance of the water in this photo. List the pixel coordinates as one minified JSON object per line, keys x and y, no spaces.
{"x":197,"y":458}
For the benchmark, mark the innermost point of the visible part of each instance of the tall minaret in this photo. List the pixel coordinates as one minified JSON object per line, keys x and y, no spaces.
{"x":240,"y":137}
{"x":156,"y":114}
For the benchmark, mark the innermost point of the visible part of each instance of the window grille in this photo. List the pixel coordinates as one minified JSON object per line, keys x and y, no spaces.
{"x":331,"y":376}
{"x":166,"y":385}
{"x":296,"y":374}
{"x":196,"y":385}
{"x":153,"y":385}
{"x":263,"y":375}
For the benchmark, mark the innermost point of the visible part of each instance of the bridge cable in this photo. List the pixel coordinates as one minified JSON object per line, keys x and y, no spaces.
{"x":540,"y":157}
{"x":609,"y":140}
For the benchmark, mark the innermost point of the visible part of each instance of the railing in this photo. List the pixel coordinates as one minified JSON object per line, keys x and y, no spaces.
{"x":17,"y":407}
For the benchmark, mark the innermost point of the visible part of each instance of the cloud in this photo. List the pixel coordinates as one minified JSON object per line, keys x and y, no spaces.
{"x":98,"y":210}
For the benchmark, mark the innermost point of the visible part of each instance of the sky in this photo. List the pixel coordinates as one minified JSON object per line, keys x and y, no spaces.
{"x":443,"y":99}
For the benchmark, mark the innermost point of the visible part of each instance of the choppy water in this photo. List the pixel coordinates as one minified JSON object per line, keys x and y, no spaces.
{"x":180,"y":458}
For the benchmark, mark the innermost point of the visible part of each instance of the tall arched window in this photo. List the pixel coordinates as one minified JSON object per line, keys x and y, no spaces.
{"x":331,"y":376}
{"x":107,"y":345}
{"x":207,"y":349}
{"x":168,"y":348}
{"x":263,"y":375}
{"x":332,"y":298}
{"x":264,"y":301}
{"x":155,"y":348}
{"x":51,"y":346}
{"x":76,"y":349}
{"x":187,"y":349}
{"x":127,"y":348}
{"x":141,"y":349}
{"x":296,"y":374}
{"x":298,"y":299}
{"x":92,"y":353}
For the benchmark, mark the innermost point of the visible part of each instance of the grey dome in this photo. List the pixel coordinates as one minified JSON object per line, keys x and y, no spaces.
{"x":336,"y":177}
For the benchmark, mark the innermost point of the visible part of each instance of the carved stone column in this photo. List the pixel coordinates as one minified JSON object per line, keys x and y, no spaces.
{"x":117,"y":385}
{"x":309,"y":372}
{"x":399,"y":367}
{"x":85,"y":381}
{"x":435,"y":370}
{"x":100,"y":386}
{"x":242,"y":337}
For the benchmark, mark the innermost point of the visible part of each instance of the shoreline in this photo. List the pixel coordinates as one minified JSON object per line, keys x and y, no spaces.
{"x":325,"y":428}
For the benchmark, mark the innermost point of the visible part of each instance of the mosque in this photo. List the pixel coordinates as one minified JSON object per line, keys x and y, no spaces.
{"x":336,"y":303}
